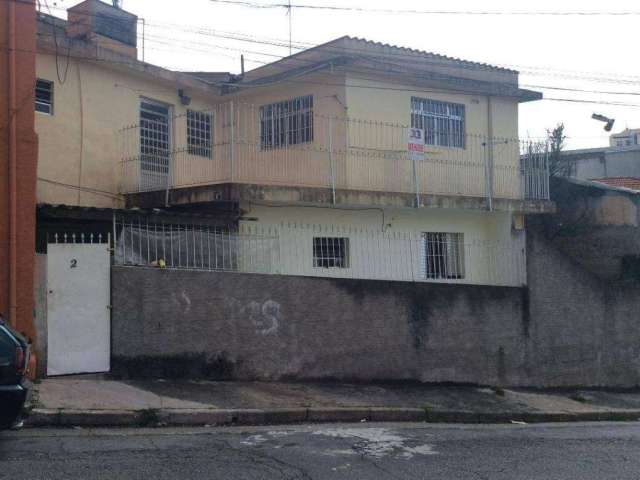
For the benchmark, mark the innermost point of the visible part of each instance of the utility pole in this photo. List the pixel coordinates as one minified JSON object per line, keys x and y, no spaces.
{"x":289,"y":12}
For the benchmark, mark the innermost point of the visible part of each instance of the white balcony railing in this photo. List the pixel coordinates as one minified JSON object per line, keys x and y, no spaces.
{"x":303,"y":250}
{"x":338,"y":154}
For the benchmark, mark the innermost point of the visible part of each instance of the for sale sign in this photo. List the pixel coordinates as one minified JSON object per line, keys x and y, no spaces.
{"x":416,"y":144}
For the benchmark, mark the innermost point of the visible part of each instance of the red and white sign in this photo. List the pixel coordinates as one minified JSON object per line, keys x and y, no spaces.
{"x":416,"y":144}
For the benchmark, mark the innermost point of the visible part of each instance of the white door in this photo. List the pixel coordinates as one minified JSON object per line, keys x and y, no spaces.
{"x":78,"y":318}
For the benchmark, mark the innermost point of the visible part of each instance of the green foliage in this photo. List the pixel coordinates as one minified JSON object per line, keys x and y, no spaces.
{"x":558,"y":166}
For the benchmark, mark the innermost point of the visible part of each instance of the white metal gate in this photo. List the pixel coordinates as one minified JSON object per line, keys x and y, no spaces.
{"x":78,"y":317}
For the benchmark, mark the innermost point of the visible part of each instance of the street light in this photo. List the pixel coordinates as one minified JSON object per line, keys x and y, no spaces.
{"x":609,"y":121}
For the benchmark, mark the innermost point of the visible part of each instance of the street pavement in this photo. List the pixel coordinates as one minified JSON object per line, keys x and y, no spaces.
{"x":327,"y":451}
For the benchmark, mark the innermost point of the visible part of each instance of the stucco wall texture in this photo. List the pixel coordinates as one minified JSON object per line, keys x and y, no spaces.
{"x":567,"y":328}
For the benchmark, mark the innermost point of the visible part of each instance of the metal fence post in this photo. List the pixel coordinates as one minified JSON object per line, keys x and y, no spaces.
{"x":232,"y":140}
{"x":488,"y":173}
{"x":331,"y":163}
{"x":547,"y":193}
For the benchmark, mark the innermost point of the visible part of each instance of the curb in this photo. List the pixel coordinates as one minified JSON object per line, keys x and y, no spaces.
{"x":225,"y":417}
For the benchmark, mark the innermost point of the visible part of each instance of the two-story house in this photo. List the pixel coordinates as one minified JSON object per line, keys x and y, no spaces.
{"x":352,"y":158}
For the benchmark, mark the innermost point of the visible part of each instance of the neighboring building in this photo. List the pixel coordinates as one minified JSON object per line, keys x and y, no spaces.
{"x":351,"y":159}
{"x":597,"y":225}
{"x":626,"y":138}
{"x":621,"y":159}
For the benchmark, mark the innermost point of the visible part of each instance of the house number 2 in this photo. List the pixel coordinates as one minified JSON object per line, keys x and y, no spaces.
{"x":74,"y":263}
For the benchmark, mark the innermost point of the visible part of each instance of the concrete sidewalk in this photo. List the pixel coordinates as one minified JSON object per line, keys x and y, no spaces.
{"x":82,"y":401}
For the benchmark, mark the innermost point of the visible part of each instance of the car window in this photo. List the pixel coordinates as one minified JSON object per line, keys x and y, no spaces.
{"x":7,"y":348}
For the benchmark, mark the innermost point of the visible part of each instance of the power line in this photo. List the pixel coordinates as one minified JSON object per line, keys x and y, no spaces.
{"x":445,"y":61}
{"x":578,"y":13}
{"x":581,"y":90}
{"x":171,"y":42}
{"x":368,"y":87}
{"x":410,"y":54}
{"x":425,"y":90}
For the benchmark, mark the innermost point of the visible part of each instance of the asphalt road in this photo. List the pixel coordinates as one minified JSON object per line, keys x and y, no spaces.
{"x":344,"y":451}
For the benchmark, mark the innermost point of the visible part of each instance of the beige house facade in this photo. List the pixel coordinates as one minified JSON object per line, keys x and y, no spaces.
{"x":354,"y":152}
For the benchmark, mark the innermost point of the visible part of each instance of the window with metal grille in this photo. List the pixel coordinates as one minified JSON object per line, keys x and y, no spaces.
{"x":286,"y":123}
{"x":199,"y":138}
{"x":443,"y":255}
{"x":44,"y":96}
{"x":155,"y":140}
{"x":443,"y":122}
{"x":331,"y":252}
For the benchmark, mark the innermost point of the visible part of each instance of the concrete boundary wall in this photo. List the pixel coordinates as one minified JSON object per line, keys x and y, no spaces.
{"x":245,"y":326}
{"x":566,"y":328}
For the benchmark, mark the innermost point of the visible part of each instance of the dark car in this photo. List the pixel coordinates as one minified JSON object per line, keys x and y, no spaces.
{"x":14,"y":358}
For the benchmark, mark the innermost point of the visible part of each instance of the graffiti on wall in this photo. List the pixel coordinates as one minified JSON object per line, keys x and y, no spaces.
{"x":265,"y":317}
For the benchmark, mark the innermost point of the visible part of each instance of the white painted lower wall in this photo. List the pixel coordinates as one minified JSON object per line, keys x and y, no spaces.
{"x":387,"y":243}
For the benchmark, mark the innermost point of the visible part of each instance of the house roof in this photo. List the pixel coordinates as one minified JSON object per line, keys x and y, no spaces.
{"x":598,"y":151}
{"x":412,"y":66}
{"x":600,"y":185}
{"x":363,"y":42}
{"x":416,"y":67}
{"x":632,"y":183}
{"x":214,"y":78}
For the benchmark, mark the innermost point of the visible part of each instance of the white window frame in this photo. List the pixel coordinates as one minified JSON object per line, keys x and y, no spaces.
{"x":331,"y":252}
{"x":46,"y":106}
{"x":200,"y":133}
{"x":156,"y":160}
{"x":443,"y":256}
{"x":289,"y":122}
{"x":443,"y":123}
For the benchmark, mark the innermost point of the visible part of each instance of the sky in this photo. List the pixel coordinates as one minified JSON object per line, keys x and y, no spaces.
{"x":580,"y":52}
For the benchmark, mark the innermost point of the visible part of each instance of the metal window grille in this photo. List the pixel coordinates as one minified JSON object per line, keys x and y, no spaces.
{"x":331,"y":252}
{"x":44,"y":96}
{"x":155,"y":143}
{"x":286,"y":123}
{"x":443,"y":122}
{"x":444,"y":255}
{"x":199,"y":133}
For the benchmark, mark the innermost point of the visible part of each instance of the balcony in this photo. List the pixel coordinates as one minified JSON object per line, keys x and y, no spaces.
{"x":335,"y":155}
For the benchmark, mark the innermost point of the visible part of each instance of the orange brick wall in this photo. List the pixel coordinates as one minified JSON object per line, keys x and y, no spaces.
{"x":21,"y":316}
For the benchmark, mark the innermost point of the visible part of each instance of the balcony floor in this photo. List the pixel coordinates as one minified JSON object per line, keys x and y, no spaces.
{"x":237,"y":192}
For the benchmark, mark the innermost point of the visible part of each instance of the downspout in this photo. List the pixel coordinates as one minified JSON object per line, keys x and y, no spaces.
{"x":81,"y":112}
{"x":332,"y":164}
{"x":232,"y":142}
{"x":489,"y":158}
{"x":13,"y":173}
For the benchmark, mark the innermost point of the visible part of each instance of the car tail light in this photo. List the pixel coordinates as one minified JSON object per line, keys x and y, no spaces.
{"x":21,"y":363}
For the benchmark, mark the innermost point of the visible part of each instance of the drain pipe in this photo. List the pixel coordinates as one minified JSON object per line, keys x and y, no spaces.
{"x":332,"y":164}
{"x":489,"y":155}
{"x":13,"y":173}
